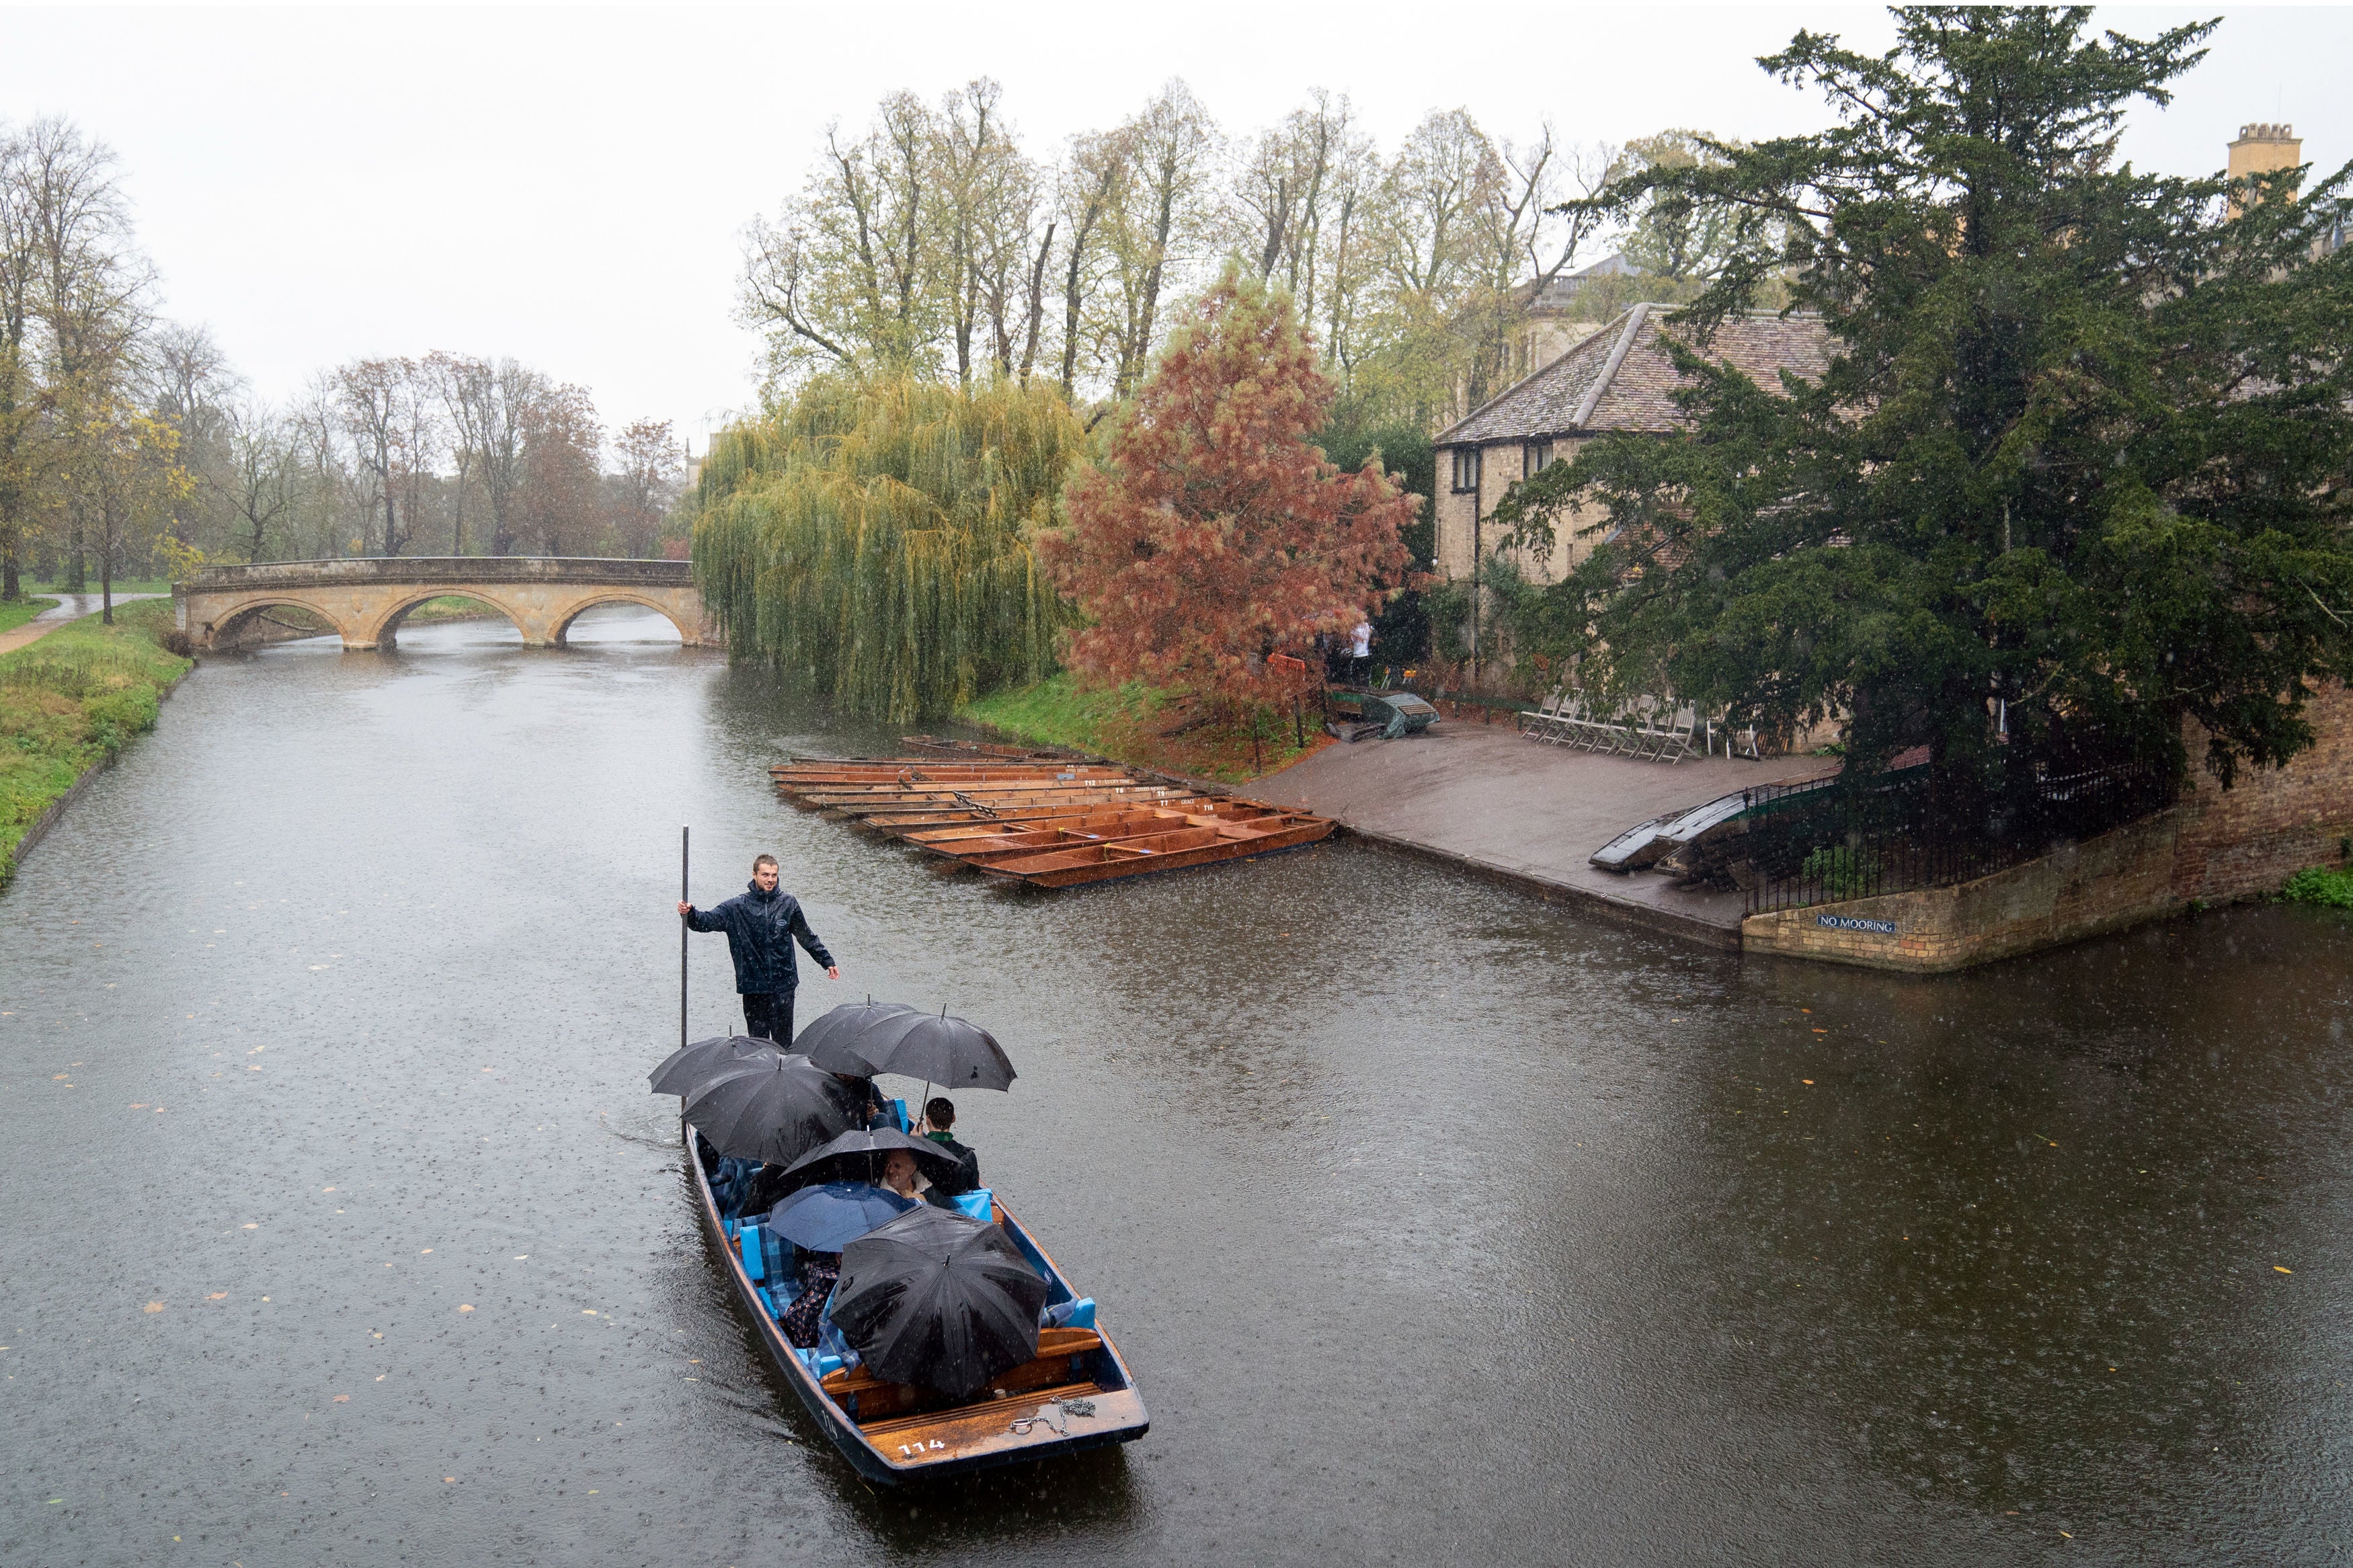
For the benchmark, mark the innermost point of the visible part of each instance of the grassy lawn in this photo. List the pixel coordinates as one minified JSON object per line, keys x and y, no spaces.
{"x":1131,"y":723}
{"x":76,"y":696}
{"x":23,"y":610}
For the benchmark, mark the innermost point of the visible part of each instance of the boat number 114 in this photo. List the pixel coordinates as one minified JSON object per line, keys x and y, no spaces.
{"x":911,"y":1449}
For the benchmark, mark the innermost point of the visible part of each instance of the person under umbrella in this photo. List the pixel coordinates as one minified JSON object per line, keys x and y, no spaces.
{"x":862,"y":1154}
{"x":939,"y":1116}
{"x":774,"y":1109}
{"x":762,"y":924}
{"x":888,"y":1039}
{"x":689,"y":1068}
{"x":938,"y":1299}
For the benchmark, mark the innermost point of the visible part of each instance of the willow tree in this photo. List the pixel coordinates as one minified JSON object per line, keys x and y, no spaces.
{"x":875,"y":537}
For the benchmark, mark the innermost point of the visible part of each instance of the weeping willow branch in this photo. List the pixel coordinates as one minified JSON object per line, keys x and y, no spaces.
{"x":875,"y":538}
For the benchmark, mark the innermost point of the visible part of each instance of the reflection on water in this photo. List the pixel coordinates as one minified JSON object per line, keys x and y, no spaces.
{"x":1437,"y":1224}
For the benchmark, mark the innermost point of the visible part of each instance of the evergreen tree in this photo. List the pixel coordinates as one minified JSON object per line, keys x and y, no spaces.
{"x":2079,"y":458}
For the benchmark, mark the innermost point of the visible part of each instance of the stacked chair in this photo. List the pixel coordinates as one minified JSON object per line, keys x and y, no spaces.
{"x":1651,"y":729}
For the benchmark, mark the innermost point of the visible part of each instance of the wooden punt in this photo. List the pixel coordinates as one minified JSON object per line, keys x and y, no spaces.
{"x":893,"y":1433}
{"x":915,"y":820}
{"x":1162,"y":851}
{"x":1053,"y":823}
{"x":983,"y":844}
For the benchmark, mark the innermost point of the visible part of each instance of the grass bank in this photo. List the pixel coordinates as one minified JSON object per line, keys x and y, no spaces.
{"x":70,"y":702}
{"x":12,"y":615}
{"x":121,"y":585}
{"x":1138,"y":724}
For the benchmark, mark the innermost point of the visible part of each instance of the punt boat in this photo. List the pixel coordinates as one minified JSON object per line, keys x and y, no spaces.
{"x":1075,"y":1394}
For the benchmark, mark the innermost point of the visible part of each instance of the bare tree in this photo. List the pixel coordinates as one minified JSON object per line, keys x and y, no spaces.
{"x":260,"y":478}
{"x":647,"y":482}
{"x":383,"y":410}
{"x":1171,"y":148}
{"x":558,"y":498}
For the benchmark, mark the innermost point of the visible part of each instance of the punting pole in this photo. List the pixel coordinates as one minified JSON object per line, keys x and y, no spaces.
{"x":681,"y":939}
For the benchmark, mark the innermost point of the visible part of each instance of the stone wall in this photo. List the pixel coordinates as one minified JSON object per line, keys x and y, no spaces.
{"x":2244,"y":842}
{"x":2215,"y":846}
{"x":1500,"y":465}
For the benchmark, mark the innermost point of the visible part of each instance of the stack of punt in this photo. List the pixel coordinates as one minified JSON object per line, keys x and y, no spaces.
{"x":1050,"y":821}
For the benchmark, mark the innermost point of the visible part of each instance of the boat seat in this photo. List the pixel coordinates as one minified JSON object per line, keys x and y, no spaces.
{"x":868,"y":1397}
{"x":891,"y":1426}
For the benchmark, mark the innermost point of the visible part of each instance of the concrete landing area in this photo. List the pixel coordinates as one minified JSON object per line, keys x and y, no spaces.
{"x":1495,"y":801}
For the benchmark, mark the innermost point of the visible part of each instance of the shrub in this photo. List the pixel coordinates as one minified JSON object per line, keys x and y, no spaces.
{"x":1845,"y":872}
{"x":2319,"y":885}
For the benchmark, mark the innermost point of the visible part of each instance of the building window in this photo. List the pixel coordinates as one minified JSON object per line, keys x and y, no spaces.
{"x":1535,"y":456}
{"x":1466,"y":469}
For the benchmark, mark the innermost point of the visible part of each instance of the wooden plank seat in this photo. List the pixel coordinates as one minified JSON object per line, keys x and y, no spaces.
{"x":870,"y":1399}
{"x":976,"y":1419}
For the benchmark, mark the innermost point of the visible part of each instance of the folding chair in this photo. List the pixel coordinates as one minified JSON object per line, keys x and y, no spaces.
{"x":1535,"y":724}
{"x":1676,"y":746}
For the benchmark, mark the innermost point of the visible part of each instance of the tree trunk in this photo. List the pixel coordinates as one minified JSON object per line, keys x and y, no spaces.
{"x":106,"y":566}
{"x":77,"y":569}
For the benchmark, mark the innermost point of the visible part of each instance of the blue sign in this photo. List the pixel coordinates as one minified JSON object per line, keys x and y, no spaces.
{"x":1849,"y":923}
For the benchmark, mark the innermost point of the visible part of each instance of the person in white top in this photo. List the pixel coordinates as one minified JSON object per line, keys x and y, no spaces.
{"x":1359,"y":651}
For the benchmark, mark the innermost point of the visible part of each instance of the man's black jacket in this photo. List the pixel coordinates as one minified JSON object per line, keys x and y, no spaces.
{"x":761,"y":928}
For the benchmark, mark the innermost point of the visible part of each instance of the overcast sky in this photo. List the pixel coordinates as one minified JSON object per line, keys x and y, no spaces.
{"x":568,"y":186}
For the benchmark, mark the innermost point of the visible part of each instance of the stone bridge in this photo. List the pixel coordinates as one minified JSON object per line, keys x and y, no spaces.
{"x":366,"y":599}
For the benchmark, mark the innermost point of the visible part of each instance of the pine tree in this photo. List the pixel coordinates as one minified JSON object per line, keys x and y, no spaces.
{"x":2079,"y":465}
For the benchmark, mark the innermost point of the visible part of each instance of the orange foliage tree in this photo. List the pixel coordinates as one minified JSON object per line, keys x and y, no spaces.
{"x":1215,"y":533}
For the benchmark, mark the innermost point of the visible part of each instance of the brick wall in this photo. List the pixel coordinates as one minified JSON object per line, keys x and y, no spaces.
{"x":2244,"y":842}
{"x":2216,"y":845}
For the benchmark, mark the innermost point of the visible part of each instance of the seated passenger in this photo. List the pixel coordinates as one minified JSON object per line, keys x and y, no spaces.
{"x":872,"y":1111}
{"x":764,"y":1191}
{"x":898,"y":1176}
{"x":938,"y":1117}
{"x":820,"y":1272}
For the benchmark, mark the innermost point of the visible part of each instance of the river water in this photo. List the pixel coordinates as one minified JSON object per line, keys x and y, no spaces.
{"x":1438,"y":1224}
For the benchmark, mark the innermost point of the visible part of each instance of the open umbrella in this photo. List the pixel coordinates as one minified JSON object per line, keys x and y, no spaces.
{"x":934,"y":1047}
{"x":830,"y":1041}
{"x":772,"y":1107}
{"x":938,"y":1299}
{"x":829,"y":1217}
{"x":856,"y":1156}
{"x":689,"y":1068}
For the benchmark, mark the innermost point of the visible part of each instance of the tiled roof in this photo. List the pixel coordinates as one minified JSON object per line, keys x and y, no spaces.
{"x":1620,"y":378}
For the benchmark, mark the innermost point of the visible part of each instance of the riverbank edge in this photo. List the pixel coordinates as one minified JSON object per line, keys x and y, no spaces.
{"x":41,"y":824}
{"x":1584,"y":901}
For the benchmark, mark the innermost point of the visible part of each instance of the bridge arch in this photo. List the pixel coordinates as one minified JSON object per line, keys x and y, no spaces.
{"x":686,"y":634}
{"x":386,"y":632}
{"x":232,"y":622}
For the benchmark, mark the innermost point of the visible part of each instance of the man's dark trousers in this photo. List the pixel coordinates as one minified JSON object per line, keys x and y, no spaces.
{"x":769,"y":1015}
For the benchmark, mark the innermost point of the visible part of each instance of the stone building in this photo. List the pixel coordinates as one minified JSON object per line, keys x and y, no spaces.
{"x":1618,"y":377}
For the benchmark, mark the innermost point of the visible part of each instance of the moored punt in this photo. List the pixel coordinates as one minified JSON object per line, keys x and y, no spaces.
{"x":1075,"y":1394}
{"x":1162,"y":852}
{"x":1013,"y":816}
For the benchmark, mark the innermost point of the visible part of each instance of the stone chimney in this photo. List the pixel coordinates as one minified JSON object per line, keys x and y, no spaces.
{"x":2261,"y":148}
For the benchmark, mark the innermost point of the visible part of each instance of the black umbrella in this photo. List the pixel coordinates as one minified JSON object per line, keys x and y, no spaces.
{"x":934,"y":1047}
{"x":856,"y":1156}
{"x":772,"y":1107}
{"x":938,"y":1299}
{"x":689,"y":1068}
{"x":831,"y":1041}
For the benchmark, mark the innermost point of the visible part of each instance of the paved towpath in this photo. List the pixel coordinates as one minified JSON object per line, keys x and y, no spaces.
{"x":69,"y":607}
{"x":1489,"y":798}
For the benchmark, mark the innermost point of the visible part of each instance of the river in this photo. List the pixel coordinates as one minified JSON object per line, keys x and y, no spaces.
{"x":1437,"y":1224}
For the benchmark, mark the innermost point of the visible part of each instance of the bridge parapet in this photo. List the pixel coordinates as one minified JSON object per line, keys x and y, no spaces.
{"x":365,"y":598}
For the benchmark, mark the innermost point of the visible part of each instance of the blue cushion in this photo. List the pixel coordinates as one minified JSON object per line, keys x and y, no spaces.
{"x":974,"y":1204}
{"x":898,"y":1114}
{"x":752,"y":1263}
{"x":1078,"y":1314}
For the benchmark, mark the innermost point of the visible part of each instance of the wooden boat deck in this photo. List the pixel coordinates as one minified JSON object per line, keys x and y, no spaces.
{"x":1048,"y":821}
